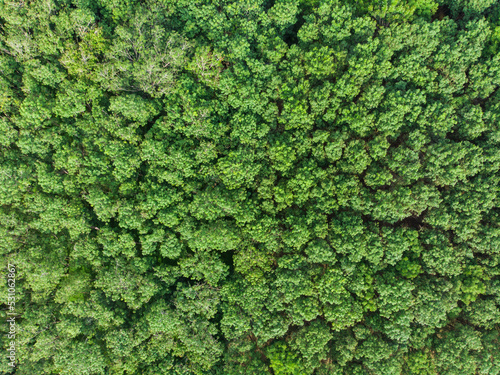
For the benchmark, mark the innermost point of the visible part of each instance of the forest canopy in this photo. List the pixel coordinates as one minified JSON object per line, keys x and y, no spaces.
{"x":287,"y":187}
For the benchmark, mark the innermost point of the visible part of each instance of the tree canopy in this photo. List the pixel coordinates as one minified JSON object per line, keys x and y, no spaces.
{"x":288,"y":187}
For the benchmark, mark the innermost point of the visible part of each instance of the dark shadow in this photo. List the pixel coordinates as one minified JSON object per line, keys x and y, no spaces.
{"x":442,"y":12}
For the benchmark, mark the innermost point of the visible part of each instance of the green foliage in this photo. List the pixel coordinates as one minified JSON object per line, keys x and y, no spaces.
{"x":251,"y":187}
{"x":396,"y":10}
{"x":283,"y":361}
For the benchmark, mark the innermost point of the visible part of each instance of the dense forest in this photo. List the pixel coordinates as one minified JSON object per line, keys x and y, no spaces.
{"x":287,"y":187}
